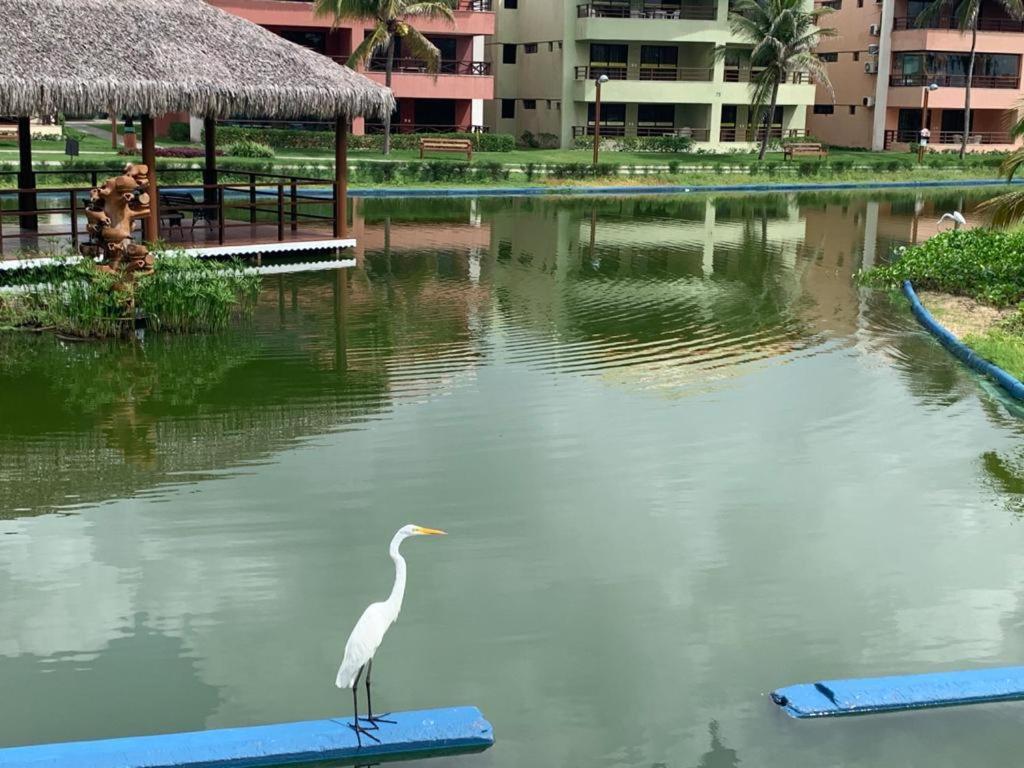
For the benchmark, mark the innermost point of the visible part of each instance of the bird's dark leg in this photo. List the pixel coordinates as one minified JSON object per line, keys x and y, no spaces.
{"x":354,"y":725}
{"x":369,"y":702}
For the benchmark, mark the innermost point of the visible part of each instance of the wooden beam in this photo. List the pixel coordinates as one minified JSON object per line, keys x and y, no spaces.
{"x":151,"y":224}
{"x":26,"y":176}
{"x":341,"y":176}
{"x":210,"y":169}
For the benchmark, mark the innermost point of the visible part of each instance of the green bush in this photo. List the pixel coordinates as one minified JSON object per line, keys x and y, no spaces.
{"x":637,"y":143}
{"x":179,"y":132}
{"x":984,"y":264}
{"x":527,"y":139}
{"x":248,"y":148}
{"x":294,"y":139}
{"x":183,"y":294}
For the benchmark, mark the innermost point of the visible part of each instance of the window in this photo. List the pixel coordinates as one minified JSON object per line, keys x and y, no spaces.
{"x":530,"y":48}
{"x":551,"y":46}
{"x":659,"y":55}
{"x":860,"y":3}
{"x":856,"y":55}
{"x":853,"y":109}
{"x":828,"y":56}
{"x":313,"y":39}
{"x":529,"y":103}
{"x":656,"y":116}
{"x":549,"y":103}
{"x":611,"y":114}
{"x":608,"y":55}
{"x":508,"y":53}
{"x":511,"y":5}
{"x":824,"y":109}
{"x":508,"y":108}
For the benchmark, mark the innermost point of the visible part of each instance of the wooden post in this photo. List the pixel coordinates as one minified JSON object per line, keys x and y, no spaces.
{"x":597,"y":122}
{"x":151,"y":224}
{"x":113,"y":132}
{"x":26,"y":177}
{"x":341,"y":176}
{"x":210,"y":169}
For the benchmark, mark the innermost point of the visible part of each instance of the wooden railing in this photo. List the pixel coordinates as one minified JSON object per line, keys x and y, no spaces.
{"x":902,"y":23}
{"x":697,"y":134}
{"x":734,"y":134}
{"x":661,"y":74}
{"x":920,"y":80}
{"x":399,"y":127}
{"x":953,"y":138}
{"x":743,"y":75}
{"x":695,"y":11}
{"x":285,"y":201}
{"x":419,"y":67}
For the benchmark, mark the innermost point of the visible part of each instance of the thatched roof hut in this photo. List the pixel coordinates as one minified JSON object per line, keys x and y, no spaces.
{"x":153,"y":57}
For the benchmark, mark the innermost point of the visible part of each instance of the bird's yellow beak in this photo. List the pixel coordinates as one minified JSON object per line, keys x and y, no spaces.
{"x":429,"y":532}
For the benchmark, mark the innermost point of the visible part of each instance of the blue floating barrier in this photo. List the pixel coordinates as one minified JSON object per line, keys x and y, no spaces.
{"x":429,"y":731}
{"x":830,"y":698}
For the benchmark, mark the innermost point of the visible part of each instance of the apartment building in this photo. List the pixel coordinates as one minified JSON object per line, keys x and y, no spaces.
{"x":659,"y":57}
{"x":453,"y":100}
{"x":881,"y":63}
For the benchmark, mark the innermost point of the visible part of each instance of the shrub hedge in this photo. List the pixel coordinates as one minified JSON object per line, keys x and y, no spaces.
{"x":288,"y":138}
{"x":984,"y":264}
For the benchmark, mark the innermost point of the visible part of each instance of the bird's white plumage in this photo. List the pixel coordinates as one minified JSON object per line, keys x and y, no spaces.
{"x":955,"y":216}
{"x":364,"y":641}
{"x":369,"y":631}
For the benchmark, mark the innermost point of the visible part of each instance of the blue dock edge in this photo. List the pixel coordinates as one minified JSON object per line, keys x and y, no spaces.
{"x":428,"y":731}
{"x":831,"y":698}
{"x":972,"y":359}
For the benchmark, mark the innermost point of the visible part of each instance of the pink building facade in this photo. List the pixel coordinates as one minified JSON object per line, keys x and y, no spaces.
{"x":451,"y":101}
{"x":881,"y":63}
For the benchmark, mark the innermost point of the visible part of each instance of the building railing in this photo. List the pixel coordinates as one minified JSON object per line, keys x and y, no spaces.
{"x":419,"y":67}
{"x":742,"y":133}
{"x":475,"y":5}
{"x":902,"y":23}
{"x":953,"y":138}
{"x":619,"y":130}
{"x":693,"y":11}
{"x":400,"y":127}
{"x":744,"y":75}
{"x":278,"y":202}
{"x":920,"y":80}
{"x":660,"y":74}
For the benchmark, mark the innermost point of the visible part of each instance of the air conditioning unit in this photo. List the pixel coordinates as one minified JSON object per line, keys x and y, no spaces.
{"x":868,"y":101}
{"x":873,"y":49}
{"x":874,"y":30}
{"x":871,"y":68}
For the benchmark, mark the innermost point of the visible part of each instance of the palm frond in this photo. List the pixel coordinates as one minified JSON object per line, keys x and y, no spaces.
{"x":347,"y":10}
{"x":376,"y":41}
{"x":1005,"y":210}
{"x":417,"y":46}
{"x":434,"y":10}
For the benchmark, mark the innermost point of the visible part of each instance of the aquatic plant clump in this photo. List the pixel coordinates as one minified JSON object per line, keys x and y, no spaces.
{"x":984,"y":264}
{"x":182,"y":295}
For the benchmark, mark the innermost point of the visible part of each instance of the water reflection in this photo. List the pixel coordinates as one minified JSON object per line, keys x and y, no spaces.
{"x":664,"y":430}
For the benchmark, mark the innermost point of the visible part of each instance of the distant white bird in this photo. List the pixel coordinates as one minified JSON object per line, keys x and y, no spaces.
{"x":956,"y":217}
{"x":369,"y":631}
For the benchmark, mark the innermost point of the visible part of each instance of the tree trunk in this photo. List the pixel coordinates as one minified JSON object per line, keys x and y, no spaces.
{"x":967,"y":90}
{"x":387,"y":81}
{"x":768,"y":121}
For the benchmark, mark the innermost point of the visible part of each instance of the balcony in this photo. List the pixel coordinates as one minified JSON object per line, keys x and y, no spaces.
{"x":920,"y":80}
{"x":694,"y":11}
{"x":743,"y":75}
{"x":731,"y":134}
{"x":905,"y":23}
{"x":953,"y":138}
{"x":612,"y":131}
{"x":419,"y":67}
{"x":657,"y":74}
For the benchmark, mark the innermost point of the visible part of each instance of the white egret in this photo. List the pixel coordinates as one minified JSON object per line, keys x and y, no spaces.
{"x":956,"y":217}
{"x":369,"y":631}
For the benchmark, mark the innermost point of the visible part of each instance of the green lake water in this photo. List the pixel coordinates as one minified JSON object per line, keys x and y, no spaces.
{"x":682,"y":459}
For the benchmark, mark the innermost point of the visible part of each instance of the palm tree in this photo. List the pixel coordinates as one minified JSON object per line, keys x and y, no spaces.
{"x":391,"y":23}
{"x":966,"y":13}
{"x":784,"y":35}
{"x":1007,"y":209}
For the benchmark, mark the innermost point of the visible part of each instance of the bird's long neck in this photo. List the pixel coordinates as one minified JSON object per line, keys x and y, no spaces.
{"x":394,"y":601}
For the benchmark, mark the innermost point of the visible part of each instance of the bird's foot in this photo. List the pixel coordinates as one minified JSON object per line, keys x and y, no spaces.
{"x":376,"y":720}
{"x":364,"y":731}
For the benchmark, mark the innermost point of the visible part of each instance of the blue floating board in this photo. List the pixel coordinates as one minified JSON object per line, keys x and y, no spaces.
{"x":429,"y":731}
{"x":831,"y":698}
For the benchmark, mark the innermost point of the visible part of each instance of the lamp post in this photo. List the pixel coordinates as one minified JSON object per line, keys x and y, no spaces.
{"x":597,"y":116}
{"x":925,"y":132}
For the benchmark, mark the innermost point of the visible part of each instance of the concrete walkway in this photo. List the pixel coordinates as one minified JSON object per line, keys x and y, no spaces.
{"x":93,"y":130}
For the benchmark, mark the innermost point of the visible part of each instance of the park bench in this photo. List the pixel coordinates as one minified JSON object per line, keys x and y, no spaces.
{"x":462,"y":146}
{"x":8,"y":133}
{"x":173,"y":206}
{"x":806,"y":149}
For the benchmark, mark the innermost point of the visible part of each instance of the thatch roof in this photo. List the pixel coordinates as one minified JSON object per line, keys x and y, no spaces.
{"x":136,"y":57}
